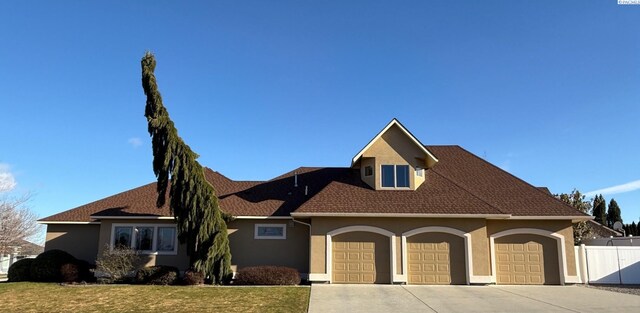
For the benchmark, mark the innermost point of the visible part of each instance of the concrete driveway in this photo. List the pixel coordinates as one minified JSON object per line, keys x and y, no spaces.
{"x":441,"y":299}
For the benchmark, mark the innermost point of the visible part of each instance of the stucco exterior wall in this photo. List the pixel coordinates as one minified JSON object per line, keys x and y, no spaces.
{"x":247,"y":251}
{"x":393,"y":147}
{"x":79,"y":240}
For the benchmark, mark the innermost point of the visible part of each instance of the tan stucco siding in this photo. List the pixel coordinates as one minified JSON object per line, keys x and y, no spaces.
{"x":476,"y":227}
{"x":561,"y":227}
{"x":179,"y":260}
{"x":369,"y":180}
{"x":247,"y":251}
{"x":81,"y":241}
{"x":392,"y":148}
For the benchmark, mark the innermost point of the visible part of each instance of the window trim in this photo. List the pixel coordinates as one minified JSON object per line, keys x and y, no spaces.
{"x":284,"y":231}
{"x":395,"y":177}
{"x":154,"y":249}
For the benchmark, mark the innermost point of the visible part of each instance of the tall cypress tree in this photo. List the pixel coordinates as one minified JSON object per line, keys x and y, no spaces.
{"x":613,"y":214}
{"x":600,"y":209}
{"x":192,"y":200}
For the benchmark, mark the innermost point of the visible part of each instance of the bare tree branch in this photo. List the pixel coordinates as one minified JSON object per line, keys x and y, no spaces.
{"x":17,"y":223}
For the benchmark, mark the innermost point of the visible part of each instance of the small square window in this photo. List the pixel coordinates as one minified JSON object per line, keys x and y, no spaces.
{"x":368,"y":171}
{"x":419,"y":172}
{"x":270,"y":231}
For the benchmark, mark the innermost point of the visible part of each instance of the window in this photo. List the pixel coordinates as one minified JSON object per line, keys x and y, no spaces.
{"x":419,"y":172}
{"x":395,"y":176}
{"x":388,"y":176}
{"x":166,"y":238}
{"x":270,"y":231}
{"x":368,"y":171}
{"x":122,"y":236}
{"x":402,"y":175}
{"x":144,"y":238}
{"x":150,"y":239}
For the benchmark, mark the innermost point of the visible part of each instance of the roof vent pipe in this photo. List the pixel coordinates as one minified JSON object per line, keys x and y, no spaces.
{"x":295,"y":179}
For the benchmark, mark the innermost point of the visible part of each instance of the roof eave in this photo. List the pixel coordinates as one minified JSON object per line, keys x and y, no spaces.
{"x":425,"y":215}
{"x":67,"y":222}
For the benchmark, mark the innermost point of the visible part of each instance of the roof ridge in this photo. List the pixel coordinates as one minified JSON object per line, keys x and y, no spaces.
{"x":523,"y":181}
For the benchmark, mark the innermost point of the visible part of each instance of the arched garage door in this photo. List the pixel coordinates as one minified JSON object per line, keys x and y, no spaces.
{"x":436,"y":259}
{"x":360,"y":258}
{"x":526,"y":260}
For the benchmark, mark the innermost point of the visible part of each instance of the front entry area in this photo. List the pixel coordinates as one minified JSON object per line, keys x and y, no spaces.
{"x":435,"y":259}
{"x":360,"y":258}
{"x":526,"y":260}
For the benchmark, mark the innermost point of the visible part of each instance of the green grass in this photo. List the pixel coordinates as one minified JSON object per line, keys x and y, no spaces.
{"x":47,"y":297}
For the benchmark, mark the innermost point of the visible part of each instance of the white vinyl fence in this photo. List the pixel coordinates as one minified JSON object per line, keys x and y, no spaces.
{"x":6,"y":261}
{"x":609,"y":264}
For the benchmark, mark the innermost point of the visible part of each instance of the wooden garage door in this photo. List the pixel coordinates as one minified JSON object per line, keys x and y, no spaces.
{"x":520,"y":263}
{"x":429,"y":263}
{"x":360,"y":258}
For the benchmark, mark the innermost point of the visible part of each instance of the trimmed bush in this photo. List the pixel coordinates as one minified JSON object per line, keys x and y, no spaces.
{"x":157,"y":275}
{"x":46,"y":266}
{"x":80,"y":271}
{"x":267,"y":275}
{"x":70,"y":273}
{"x":20,"y":270}
{"x":193,"y":278}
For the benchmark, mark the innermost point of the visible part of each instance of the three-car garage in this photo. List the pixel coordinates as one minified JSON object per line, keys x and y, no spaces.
{"x":440,"y":256}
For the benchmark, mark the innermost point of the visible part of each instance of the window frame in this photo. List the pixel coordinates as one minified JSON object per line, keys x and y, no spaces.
{"x":257,"y":236}
{"x":395,"y":176}
{"x":154,"y":245}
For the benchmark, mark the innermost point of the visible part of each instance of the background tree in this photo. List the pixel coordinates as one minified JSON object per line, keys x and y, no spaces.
{"x":613,"y":214}
{"x":576,"y":199}
{"x":630,"y":229}
{"x":17,"y":223}
{"x":600,"y":209}
{"x":192,"y":200}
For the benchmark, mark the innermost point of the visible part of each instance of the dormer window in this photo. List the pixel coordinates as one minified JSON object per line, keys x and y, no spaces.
{"x":395,"y":176}
{"x":368,"y":170}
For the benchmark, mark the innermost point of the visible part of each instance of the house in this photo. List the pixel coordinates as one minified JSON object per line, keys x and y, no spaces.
{"x":401,"y":213}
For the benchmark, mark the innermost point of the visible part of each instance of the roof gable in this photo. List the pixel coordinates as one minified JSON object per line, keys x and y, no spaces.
{"x":430,"y":158}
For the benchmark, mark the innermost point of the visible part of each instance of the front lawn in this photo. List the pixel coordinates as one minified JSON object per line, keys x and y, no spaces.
{"x":47,"y":297}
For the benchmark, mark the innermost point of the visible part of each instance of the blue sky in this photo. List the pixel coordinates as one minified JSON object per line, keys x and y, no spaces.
{"x":547,"y":90}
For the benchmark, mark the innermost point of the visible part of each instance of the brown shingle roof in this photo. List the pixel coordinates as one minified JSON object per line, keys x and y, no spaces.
{"x":496,"y":186}
{"x":460,"y":183}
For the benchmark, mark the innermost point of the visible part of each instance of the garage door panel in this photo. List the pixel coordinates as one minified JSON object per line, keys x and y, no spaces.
{"x":367,"y":258}
{"x":441,"y":256}
{"x":526,"y":260}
